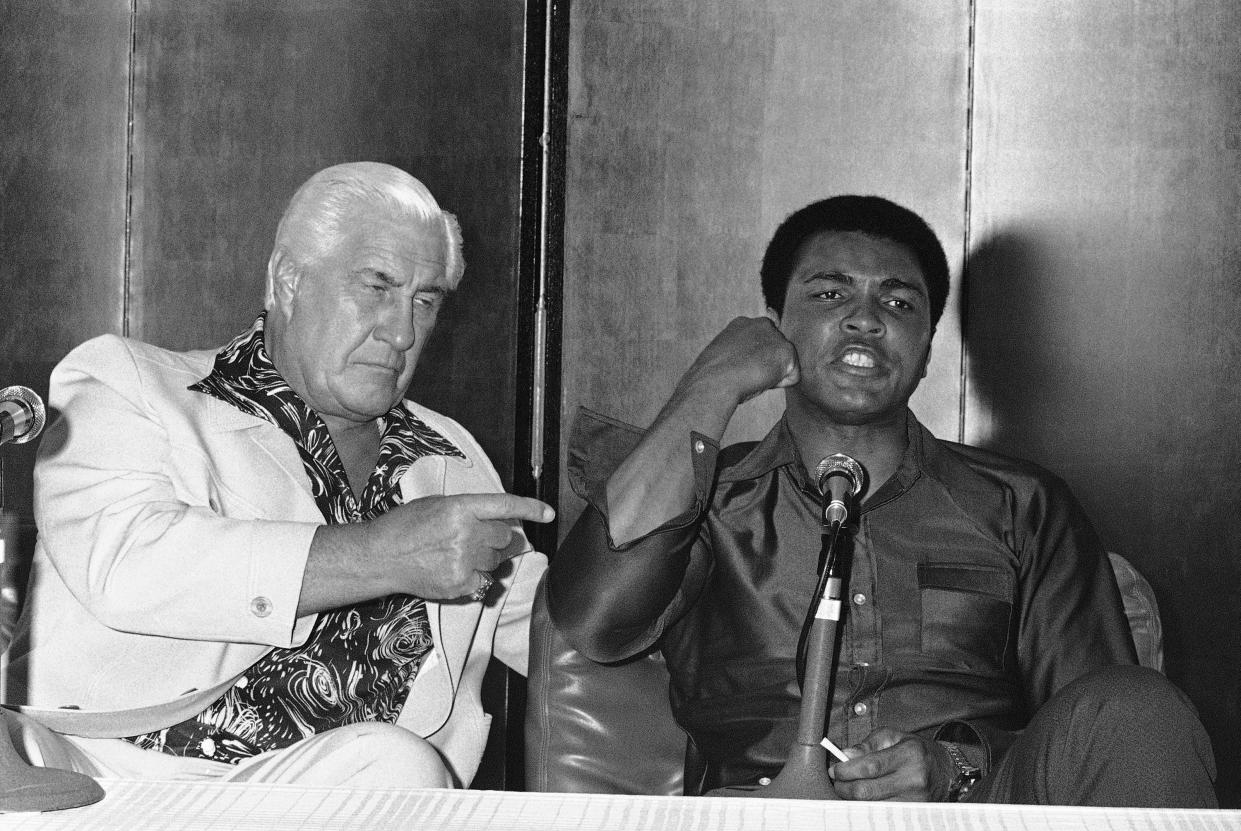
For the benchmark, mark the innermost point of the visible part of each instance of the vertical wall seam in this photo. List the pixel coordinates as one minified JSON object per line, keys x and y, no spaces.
{"x":539,"y":384}
{"x":127,"y":253}
{"x":967,"y":206}
{"x":541,"y":260}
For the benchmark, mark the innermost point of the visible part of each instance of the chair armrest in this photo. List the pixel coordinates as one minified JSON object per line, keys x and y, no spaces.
{"x":597,"y":728}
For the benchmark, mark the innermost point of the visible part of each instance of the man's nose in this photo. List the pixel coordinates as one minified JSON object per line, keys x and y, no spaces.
{"x":396,"y":324}
{"x":864,"y":317}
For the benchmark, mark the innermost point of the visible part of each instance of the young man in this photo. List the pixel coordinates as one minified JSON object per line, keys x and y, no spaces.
{"x":985,"y":650}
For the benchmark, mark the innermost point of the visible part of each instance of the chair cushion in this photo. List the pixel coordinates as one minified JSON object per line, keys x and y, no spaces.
{"x":1142,"y":611}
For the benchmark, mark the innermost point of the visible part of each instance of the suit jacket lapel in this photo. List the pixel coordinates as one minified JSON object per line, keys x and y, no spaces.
{"x":218,"y":417}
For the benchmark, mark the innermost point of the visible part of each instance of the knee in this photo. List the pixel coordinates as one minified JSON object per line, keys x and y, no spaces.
{"x":391,"y":756}
{"x":1131,"y":735}
{"x":1129,"y":689}
{"x":1126,"y":698}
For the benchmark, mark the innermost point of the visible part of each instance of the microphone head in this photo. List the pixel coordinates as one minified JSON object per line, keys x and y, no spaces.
{"x":839,"y":464}
{"x":33,"y":403}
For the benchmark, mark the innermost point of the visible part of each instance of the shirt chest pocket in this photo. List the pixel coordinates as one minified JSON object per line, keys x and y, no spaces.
{"x":966,"y":614}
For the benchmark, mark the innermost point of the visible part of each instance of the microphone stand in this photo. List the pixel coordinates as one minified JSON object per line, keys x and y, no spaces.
{"x":804,"y":775}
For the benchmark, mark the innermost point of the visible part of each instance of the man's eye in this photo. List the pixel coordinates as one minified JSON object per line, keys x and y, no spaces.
{"x":827,"y":294}
{"x":900,"y":303}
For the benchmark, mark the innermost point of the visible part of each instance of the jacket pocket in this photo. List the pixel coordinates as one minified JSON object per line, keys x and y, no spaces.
{"x":966,"y":614}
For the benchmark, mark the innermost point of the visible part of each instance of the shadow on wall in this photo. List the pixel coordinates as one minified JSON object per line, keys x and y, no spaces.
{"x":1040,"y":387}
{"x":1050,"y":380}
{"x":1012,"y":378}
{"x":1121,"y":377}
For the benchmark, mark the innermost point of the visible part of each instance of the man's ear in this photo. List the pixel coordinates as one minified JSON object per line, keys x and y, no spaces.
{"x":282,"y":278}
{"x":773,"y":316}
{"x":926,"y":362}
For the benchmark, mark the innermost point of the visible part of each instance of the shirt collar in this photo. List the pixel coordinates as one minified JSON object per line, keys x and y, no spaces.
{"x":245,"y":377}
{"x":778,"y":449}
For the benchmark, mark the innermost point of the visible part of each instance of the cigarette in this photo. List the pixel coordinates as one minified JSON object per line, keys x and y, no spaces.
{"x":834,"y":750}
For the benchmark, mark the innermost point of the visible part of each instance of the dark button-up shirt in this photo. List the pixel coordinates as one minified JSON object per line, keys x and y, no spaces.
{"x":977,"y":589}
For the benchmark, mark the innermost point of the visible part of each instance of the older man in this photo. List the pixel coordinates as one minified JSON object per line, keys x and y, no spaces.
{"x":262,"y":562}
{"x":985,"y":651}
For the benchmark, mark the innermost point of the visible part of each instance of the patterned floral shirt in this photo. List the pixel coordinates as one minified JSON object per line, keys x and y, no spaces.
{"x":359,"y":661}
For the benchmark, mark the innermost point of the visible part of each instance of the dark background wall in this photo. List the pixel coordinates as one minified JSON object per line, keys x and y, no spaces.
{"x":1081,"y":165}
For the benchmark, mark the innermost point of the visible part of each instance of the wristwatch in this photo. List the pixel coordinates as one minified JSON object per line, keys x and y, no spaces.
{"x":966,"y":773}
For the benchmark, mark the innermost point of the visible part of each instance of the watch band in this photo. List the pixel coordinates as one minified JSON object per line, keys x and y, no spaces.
{"x":966,"y":773}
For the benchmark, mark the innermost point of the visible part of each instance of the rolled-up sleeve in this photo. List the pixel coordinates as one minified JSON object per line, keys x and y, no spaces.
{"x":613,"y":601}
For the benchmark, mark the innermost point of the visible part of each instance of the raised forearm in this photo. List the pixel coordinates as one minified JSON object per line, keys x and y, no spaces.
{"x":656,"y":482}
{"x":623,"y":563}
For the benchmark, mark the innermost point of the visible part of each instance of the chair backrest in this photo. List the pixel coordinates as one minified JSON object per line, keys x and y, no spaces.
{"x":608,"y":728}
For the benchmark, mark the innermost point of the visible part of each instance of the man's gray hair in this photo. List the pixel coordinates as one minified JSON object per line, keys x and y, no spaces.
{"x":311,"y":223}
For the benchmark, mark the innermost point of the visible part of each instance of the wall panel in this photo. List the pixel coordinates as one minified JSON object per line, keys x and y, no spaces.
{"x":694,"y":128}
{"x":233,"y":105}
{"x":1104,"y":297}
{"x":63,"y":117}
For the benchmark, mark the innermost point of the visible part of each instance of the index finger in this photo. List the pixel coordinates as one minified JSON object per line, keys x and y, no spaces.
{"x":508,"y":506}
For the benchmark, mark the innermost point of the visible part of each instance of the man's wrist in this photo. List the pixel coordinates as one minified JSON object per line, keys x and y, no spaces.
{"x":707,"y":401}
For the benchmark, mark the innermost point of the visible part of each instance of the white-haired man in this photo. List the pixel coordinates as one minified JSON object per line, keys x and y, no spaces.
{"x":262,"y":562}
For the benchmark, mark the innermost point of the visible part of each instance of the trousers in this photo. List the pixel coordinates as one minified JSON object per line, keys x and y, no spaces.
{"x":366,"y":755}
{"x":1122,"y":736}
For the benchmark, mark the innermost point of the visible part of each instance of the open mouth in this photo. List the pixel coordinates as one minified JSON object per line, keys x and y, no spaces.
{"x":858,"y":359}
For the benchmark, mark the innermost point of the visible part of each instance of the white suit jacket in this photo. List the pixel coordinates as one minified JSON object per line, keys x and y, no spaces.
{"x":173,"y":534}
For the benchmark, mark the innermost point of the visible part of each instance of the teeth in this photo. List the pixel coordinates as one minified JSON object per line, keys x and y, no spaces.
{"x":858,"y":359}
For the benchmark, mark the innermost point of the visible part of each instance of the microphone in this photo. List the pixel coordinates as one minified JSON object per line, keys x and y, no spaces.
{"x":21,"y":415}
{"x":839,"y":476}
